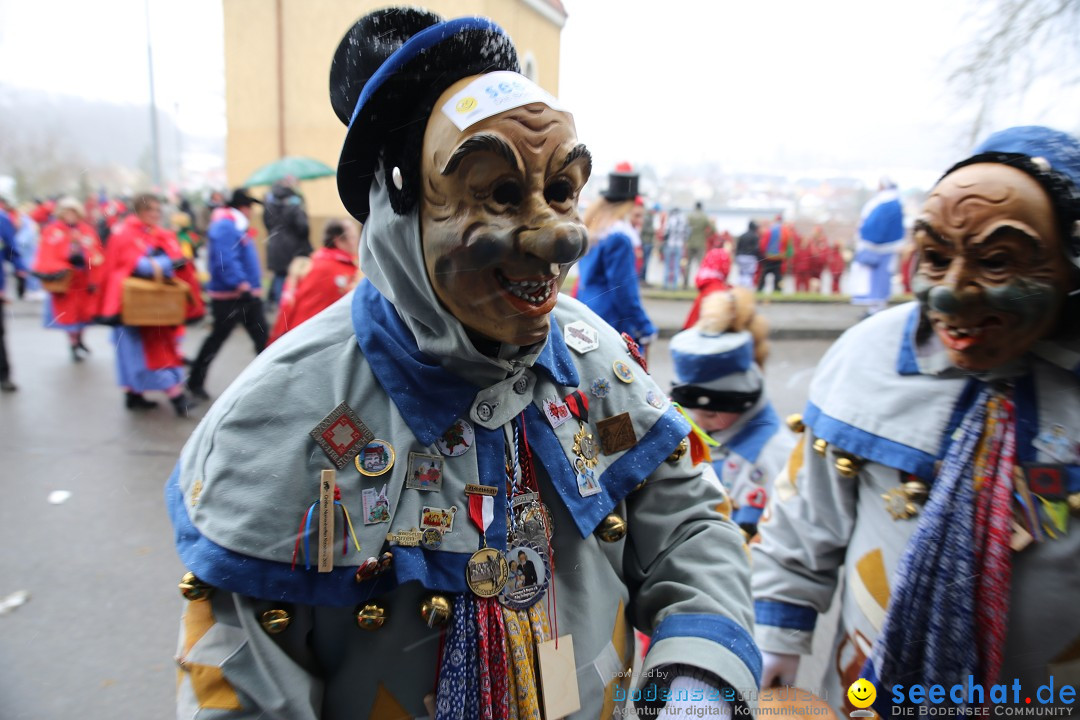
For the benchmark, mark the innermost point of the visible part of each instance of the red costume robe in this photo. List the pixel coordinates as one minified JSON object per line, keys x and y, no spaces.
{"x":333,"y":273}
{"x":59,"y":242}
{"x":130,"y":241}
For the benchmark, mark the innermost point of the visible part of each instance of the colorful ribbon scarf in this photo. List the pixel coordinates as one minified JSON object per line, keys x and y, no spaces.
{"x":947,"y":615}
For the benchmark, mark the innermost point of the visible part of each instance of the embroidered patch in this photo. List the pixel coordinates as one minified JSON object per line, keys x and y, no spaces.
{"x":425,"y":472}
{"x":555,"y":411}
{"x":376,"y":506}
{"x":581,"y":337}
{"x":616,"y":433}
{"x":342,"y":435}
{"x":587,"y":484}
{"x":441,"y":519}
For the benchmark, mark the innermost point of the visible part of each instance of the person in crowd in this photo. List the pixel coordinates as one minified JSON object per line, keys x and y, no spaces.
{"x":190,"y":241}
{"x":881,"y":234}
{"x":676,"y":232}
{"x":9,"y":253}
{"x":649,"y":222}
{"x":331,"y":273}
{"x":711,"y":277}
{"x":701,"y":228}
{"x":748,"y":255}
{"x":434,"y":380}
{"x":147,"y":358}
{"x":235,"y":286}
{"x":936,"y":465}
{"x":718,"y":368}
{"x":288,"y":234}
{"x":802,"y":263}
{"x":607,"y":279}
{"x":818,"y":245}
{"x":71,"y":262}
{"x":27,"y":235}
{"x":836,"y":262}
{"x":775,"y":246}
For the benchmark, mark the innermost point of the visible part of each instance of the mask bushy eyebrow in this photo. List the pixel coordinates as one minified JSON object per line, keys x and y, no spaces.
{"x":1006,"y":231}
{"x":923,"y":226}
{"x":579,"y":151}
{"x":484,"y":142}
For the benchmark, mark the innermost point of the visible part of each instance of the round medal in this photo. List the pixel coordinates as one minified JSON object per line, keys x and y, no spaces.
{"x":486,"y":572}
{"x":653,"y":398}
{"x":376,"y":458}
{"x":528,"y":578}
{"x":457,"y":439}
{"x":431,"y":538}
{"x":585,"y":446}
{"x":623,"y":371}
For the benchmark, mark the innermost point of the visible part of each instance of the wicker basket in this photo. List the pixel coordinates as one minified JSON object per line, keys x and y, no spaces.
{"x":57,"y":283}
{"x":154,"y":303}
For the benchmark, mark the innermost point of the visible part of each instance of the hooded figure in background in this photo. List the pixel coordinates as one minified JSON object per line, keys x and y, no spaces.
{"x":939,"y":463}
{"x":468,"y":412}
{"x":288,"y":232}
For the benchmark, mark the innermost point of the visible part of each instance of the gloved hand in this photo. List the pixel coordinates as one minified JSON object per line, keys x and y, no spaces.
{"x":680,"y":708}
{"x":778,"y":669}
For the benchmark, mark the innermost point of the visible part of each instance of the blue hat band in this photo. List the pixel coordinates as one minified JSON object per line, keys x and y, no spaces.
{"x":696,"y":369}
{"x":411,"y":48}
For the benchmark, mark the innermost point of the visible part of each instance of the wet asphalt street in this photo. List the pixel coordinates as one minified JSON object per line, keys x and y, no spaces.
{"x":95,"y":639}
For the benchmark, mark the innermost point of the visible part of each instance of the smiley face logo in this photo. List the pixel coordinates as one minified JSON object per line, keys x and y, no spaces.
{"x":465,"y":104}
{"x":862,"y":693}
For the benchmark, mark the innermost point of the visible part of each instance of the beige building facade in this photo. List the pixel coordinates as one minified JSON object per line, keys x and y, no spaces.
{"x":277,"y":69}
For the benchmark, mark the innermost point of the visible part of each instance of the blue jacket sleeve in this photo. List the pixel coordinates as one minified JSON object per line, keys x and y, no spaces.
{"x":622,"y":278}
{"x":225,"y":257}
{"x":8,"y":249}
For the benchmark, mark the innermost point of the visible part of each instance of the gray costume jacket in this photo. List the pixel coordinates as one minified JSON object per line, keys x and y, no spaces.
{"x":894,"y":402}
{"x":251,"y":470}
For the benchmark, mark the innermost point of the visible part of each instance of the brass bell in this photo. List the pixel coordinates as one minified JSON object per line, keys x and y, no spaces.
{"x":371,"y":616}
{"x":1074,"y":503}
{"x":677,"y":454}
{"x":612,"y":529}
{"x":275,"y":621}
{"x":847,"y":466}
{"x":435,"y":610}
{"x":192,"y":588}
{"x":916,"y":491}
{"x":820,"y":446}
{"x":795,"y":423}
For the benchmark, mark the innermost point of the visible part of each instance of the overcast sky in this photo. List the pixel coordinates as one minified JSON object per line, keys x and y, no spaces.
{"x":835,"y":85}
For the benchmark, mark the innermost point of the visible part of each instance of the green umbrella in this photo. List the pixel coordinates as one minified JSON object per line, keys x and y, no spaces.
{"x":301,"y":168}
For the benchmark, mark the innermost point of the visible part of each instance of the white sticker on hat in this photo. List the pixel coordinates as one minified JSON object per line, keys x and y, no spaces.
{"x":492,"y":94}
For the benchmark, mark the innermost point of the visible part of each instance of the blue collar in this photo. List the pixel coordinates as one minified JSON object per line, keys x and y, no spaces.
{"x":428,"y":397}
{"x":750,"y":441}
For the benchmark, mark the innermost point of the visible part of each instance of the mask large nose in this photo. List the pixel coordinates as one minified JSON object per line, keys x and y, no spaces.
{"x":943,"y":300}
{"x":561,"y":242}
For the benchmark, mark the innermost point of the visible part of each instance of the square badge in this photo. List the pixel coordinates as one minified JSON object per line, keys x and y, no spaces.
{"x":342,"y":435}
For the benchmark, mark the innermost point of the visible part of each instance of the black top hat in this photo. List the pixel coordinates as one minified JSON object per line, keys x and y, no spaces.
{"x":240,"y":198}
{"x":622,"y":186}
{"x":387,"y":73}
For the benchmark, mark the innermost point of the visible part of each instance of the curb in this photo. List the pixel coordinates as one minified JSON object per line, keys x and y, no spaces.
{"x":793,"y":333}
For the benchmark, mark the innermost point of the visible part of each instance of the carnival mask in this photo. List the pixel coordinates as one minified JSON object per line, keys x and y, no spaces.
{"x":499,"y":218}
{"x":992,"y":275}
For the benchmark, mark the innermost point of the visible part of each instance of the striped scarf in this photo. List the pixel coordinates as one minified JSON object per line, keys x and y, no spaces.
{"x":947,"y":616}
